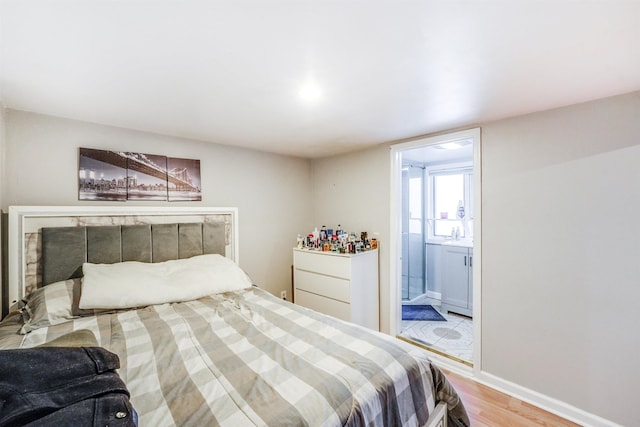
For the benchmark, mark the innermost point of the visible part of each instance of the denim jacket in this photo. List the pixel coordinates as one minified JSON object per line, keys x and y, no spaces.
{"x":63,"y":386}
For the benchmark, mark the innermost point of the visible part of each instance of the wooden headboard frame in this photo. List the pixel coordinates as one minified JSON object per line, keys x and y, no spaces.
{"x":26,"y":223}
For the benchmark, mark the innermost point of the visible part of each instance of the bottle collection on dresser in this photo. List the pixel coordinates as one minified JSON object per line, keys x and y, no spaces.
{"x":338,"y":240}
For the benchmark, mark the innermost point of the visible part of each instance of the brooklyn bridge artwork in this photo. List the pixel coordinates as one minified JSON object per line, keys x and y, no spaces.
{"x":120,"y":176}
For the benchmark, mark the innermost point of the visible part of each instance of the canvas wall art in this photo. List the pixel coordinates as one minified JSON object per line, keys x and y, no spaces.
{"x":146,"y":177}
{"x":102,"y":175}
{"x":120,"y":176}
{"x":183,"y":179}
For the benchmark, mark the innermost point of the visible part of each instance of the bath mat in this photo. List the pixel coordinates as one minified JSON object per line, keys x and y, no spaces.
{"x":421,"y":312}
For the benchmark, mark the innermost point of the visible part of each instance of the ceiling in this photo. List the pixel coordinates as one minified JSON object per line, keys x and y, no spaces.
{"x":231,"y":72}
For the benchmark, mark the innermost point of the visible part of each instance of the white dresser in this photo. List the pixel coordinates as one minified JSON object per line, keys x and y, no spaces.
{"x":340,"y":285}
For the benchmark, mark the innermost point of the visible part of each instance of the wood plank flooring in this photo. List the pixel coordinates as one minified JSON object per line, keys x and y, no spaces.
{"x":490,"y":408}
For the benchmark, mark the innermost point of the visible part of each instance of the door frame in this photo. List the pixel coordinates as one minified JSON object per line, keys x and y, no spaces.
{"x":395,"y":246}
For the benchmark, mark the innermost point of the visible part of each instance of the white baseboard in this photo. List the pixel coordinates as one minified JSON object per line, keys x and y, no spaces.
{"x":434,"y":295}
{"x":429,"y":294}
{"x":542,"y":401}
{"x":549,"y":404}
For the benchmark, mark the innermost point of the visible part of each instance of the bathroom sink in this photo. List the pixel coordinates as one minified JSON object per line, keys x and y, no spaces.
{"x":466,"y":243}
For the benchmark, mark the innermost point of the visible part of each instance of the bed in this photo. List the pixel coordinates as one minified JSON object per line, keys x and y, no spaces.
{"x":218,"y":350}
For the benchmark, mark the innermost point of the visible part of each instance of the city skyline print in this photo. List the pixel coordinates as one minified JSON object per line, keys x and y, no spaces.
{"x":119,"y":176}
{"x":102,"y":175}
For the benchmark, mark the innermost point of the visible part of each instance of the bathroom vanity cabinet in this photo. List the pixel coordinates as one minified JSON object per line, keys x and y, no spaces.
{"x":457,"y":289}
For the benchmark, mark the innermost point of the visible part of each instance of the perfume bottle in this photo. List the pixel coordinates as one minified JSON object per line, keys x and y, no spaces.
{"x":460,"y":210}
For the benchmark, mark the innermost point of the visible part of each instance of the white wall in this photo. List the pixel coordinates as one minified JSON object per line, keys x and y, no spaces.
{"x":560,"y":242}
{"x":270,"y":191}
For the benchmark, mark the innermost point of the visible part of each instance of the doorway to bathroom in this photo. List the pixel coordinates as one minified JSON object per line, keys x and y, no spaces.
{"x":437,"y":243}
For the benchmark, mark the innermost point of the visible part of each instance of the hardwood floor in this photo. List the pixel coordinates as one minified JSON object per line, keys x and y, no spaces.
{"x":490,"y":408}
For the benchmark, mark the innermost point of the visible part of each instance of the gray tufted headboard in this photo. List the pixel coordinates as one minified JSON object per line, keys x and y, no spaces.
{"x":107,"y":234}
{"x":65,"y":249}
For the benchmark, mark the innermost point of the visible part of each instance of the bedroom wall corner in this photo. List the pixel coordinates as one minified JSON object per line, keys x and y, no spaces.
{"x":270,"y":191}
{"x":353,"y":190}
{"x":559,"y":251}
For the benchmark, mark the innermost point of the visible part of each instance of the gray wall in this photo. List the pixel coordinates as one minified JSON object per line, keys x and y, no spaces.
{"x":560,"y":251}
{"x":269,"y":190}
{"x":353,"y":190}
{"x":560,"y":247}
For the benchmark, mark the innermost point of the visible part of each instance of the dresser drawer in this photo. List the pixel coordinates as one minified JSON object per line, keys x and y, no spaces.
{"x":318,"y":262}
{"x":325,"y":282}
{"x":324,"y":305}
{"x":330,"y":287}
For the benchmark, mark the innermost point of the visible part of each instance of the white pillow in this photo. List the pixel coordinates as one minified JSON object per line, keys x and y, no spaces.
{"x":137,"y":284}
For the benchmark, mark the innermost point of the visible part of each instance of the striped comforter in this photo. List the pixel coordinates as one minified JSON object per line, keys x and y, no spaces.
{"x":248,"y":358}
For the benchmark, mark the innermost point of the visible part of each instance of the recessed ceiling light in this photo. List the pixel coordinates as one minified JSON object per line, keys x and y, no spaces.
{"x":452,"y":145}
{"x":310,"y":92}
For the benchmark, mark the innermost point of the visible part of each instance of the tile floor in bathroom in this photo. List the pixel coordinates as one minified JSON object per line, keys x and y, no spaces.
{"x":454,"y":337}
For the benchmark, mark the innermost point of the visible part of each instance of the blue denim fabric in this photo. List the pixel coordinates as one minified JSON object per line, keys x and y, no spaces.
{"x":63,"y":386}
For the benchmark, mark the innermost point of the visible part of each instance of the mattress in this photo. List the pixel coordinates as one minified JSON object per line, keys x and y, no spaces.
{"x":248,"y":358}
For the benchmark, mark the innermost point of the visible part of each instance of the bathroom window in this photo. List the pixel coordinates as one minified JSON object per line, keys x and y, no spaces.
{"x":451,"y":189}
